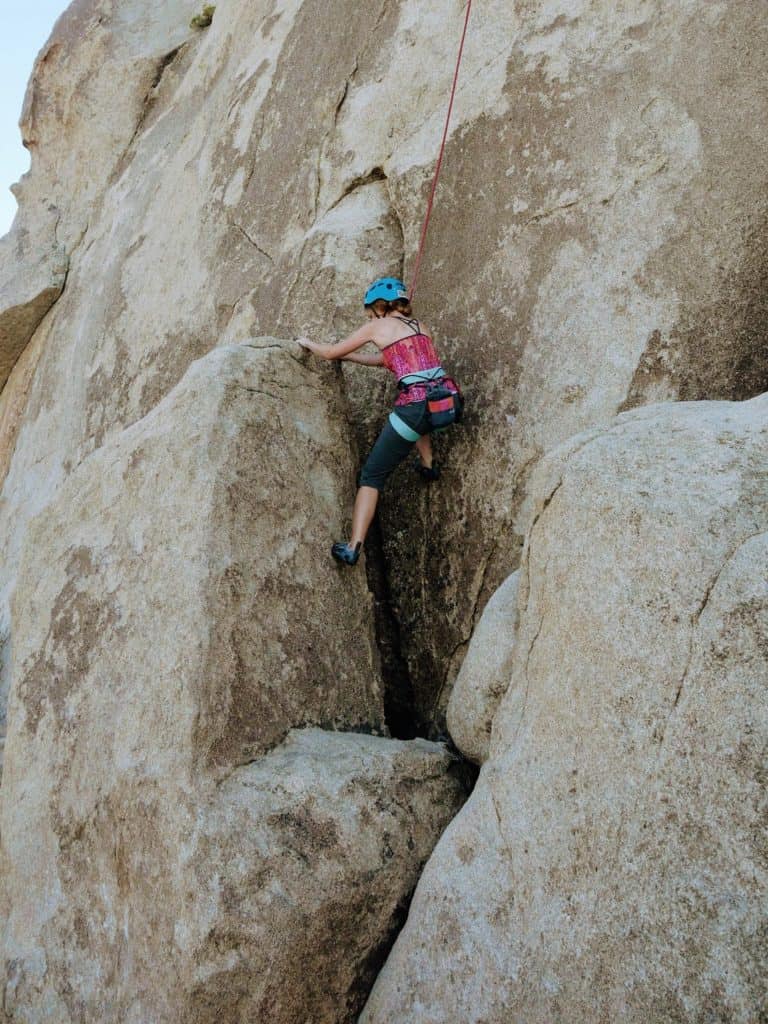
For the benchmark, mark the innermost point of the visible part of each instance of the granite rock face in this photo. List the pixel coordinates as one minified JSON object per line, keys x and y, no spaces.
{"x":24,"y":301}
{"x":172,"y":478}
{"x":204,"y":521}
{"x":611,"y":862}
{"x":174,"y":618}
{"x":271,"y":894}
{"x":342,"y":826}
{"x":597,"y":242}
{"x":92,"y":86}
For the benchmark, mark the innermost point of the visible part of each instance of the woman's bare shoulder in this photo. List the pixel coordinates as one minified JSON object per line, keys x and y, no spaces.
{"x":384,"y":332}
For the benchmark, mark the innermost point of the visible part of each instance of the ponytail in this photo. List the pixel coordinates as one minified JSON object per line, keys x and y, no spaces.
{"x":385,"y":306}
{"x":400,"y":306}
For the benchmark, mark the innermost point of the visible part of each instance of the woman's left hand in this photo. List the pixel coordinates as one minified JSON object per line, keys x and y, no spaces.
{"x":342,"y":348}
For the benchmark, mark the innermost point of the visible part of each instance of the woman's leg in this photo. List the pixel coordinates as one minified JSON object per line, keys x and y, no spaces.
{"x":424,"y":448}
{"x":362,"y":515}
{"x":388,"y":452}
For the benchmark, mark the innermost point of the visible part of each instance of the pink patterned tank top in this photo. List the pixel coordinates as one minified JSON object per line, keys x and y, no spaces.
{"x":412,"y":355}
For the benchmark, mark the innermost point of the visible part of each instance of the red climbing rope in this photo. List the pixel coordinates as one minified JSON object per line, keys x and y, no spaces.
{"x":431,"y":201}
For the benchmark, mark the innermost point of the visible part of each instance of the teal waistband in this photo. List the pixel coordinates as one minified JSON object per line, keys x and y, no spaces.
{"x":402,"y":428}
{"x":423,"y":375}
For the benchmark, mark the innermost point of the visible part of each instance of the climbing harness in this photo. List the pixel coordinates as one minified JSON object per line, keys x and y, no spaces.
{"x":431,"y":200}
{"x":445,"y":402}
{"x":421,"y":378}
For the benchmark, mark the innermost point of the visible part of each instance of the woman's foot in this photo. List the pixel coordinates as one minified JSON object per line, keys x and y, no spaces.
{"x":346,"y":554}
{"x":429,"y":473}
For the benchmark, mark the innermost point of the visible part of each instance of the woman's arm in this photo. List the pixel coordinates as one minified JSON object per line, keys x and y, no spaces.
{"x":341,"y":349}
{"x":365,"y":358}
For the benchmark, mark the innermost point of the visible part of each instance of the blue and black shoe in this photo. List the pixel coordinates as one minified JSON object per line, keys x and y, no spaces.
{"x":428,"y":473}
{"x":345,"y":554}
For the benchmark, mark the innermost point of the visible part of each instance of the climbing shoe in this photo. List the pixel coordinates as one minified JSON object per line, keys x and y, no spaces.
{"x":345,"y":554}
{"x":429,"y":473}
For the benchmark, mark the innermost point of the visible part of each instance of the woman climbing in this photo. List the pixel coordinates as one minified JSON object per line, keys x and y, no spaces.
{"x":427,"y":397}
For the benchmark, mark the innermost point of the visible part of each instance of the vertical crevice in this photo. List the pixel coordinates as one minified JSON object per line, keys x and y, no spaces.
{"x":399,"y":700}
{"x":399,"y":703}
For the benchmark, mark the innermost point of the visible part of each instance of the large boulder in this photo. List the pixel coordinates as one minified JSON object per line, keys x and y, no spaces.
{"x":198,"y":539}
{"x":271,"y":895}
{"x":307,"y":861}
{"x":176,"y":615}
{"x":611,"y":863}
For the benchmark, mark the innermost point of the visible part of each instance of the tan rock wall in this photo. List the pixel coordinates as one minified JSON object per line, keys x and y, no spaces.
{"x":596,"y":241}
{"x":485,"y":673}
{"x":195,"y":523}
{"x":166,"y":851}
{"x":597,"y":244}
{"x":263,"y":897}
{"x":92,"y":86}
{"x":610,"y":864}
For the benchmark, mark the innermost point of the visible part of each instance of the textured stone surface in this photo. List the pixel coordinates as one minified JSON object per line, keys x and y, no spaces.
{"x":599,"y":243}
{"x":195,"y":540}
{"x":485,"y":673}
{"x":92,"y":86}
{"x":24,"y":303}
{"x":272,"y":895}
{"x":174,"y":617}
{"x":598,"y":240}
{"x":611,"y":863}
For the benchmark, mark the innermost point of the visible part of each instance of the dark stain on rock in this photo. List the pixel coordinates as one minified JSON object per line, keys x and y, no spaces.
{"x":168,"y":365}
{"x":109,"y":398}
{"x":638,"y":31}
{"x":268,"y":671}
{"x":373,"y":962}
{"x":694,"y":360}
{"x":709,"y":369}
{"x":305,"y":835}
{"x":80,"y":624}
{"x":269,"y":23}
{"x":112,"y":862}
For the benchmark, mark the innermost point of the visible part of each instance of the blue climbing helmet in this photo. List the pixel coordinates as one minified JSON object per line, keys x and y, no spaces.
{"x":389,"y":288}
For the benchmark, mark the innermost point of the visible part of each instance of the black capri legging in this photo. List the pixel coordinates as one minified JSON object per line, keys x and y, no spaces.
{"x":394,"y":443}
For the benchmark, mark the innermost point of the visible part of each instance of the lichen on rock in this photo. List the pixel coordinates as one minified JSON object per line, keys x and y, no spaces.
{"x":205,"y":18}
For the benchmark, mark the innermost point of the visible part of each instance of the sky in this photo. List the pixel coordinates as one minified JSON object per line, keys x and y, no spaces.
{"x":25,"y":30}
